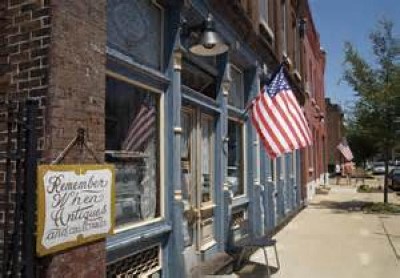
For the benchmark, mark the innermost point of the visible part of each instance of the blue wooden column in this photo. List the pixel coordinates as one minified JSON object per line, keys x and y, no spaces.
{"x":280,"y":183}
{"x":268,"y":191}
{"x":176,"y":159}
{"x":254,"y":187}
{"x":174,"y":264}
{"x":222,"y":196}
{"x":298,"y":178}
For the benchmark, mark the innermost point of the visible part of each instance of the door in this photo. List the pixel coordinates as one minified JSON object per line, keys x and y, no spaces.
{"x":197,"y":162}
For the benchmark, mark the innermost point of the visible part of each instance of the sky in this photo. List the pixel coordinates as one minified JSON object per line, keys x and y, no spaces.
{"x":338,"y":21}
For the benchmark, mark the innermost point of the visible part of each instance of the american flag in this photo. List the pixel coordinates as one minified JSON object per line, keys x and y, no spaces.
{"x":278,"y":118}
{"x":141,"y":129}
{"x":345,"y":150}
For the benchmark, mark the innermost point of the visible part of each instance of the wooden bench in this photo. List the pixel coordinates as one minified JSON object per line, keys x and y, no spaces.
{"x":220,"y":263}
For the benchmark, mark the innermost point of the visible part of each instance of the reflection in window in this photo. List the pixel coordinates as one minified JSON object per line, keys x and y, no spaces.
{"x":135,"y":29}
{"x":236,"y":91}
{"x":207,"y":152}
{"x":198,"y":79}
{"x":132,"y":146}
{"x":235,"y":157}
{"x":186,"y":156}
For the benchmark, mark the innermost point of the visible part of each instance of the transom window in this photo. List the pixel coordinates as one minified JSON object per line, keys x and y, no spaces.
{"x":132,"y":145}
{"x":198,"y":78}
{"x":135,"y":28}
{"x":236,"y":92}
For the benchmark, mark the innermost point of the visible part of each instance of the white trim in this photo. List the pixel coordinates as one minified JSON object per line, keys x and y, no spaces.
{"x":126,"y":227}
{"x":244,"y":157}
{"x":125,"y":79}
{"x":268,"y":29}
{"x":162,"y":168}
{"x":207,"y":245}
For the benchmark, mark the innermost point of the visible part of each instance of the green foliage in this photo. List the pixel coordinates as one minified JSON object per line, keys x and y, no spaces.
{"x":382,"y":208}
{"x":377,"y":85}
{"x":362,"y":144}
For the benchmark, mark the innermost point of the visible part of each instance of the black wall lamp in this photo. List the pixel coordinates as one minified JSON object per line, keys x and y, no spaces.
{"x":208,"y":43}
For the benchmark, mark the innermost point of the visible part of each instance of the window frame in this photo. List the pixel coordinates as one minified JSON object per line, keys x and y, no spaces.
{"x":211,"y":160}
{"x":234,"y":113}
{"x":242,"y":79}
{"x":160,"y":149}
{"x":243,"y":152}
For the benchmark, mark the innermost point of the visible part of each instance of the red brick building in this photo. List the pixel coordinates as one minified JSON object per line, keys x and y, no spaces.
{"x":314,"y":158}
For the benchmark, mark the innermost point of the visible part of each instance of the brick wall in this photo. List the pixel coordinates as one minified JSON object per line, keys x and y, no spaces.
{"x":54,"y":51}
{"x":76,"y":99}
{"x":24,"y":48}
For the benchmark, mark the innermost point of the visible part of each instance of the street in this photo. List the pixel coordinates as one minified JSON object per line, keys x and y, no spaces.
{"x":333,"y":238}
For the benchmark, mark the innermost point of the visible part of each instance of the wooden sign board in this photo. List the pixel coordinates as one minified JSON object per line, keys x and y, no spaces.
{"x":75,"y":205}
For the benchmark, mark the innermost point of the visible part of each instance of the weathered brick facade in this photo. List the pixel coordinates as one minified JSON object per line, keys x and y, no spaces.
{"x":24,"y":49}
{"x":76,"y":99}
{"x":54,"y":52}
{"x":314,"y":158}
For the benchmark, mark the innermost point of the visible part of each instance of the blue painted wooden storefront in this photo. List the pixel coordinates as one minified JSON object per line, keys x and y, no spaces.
{"x":270,"y":187}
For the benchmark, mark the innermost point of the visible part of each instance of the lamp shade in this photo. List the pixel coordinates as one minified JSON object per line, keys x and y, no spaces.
{"x":210,"y":43}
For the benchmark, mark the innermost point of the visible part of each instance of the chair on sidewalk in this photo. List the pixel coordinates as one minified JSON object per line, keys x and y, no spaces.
{"x":249,"y":242}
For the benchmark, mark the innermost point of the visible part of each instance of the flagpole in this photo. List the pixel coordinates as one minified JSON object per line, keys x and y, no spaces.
{"x":250,"y":103}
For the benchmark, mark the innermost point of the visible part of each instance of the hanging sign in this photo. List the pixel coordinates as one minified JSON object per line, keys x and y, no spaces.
{"x":75,"y":205}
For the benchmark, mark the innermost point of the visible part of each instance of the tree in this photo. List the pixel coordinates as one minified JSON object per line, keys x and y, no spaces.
{"x":363,"y":146}
{"x":377,"y":86}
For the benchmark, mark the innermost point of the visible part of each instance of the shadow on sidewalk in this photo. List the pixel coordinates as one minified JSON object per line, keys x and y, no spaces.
{"x":342,"y":207}
{"x":254,"y":269}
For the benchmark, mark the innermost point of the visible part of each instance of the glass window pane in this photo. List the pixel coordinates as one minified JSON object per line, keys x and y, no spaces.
{"x":135,"y":29}
{"x":132,"y":145}
{"x":206,"y":159}
{"x":235,"y":157}
{"x":186,"y":156}
{"x":198,"y":79}
{"x":263,"y":9}
{"x":236,"y":92}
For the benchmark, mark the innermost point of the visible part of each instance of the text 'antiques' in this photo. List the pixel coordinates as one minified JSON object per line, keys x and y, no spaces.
{"x":75,"y":205}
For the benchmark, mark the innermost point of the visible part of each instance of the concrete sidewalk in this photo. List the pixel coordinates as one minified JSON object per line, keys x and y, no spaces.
{"x":332,"y":238}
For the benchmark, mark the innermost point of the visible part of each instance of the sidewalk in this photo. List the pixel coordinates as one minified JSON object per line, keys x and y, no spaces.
{"x":332,"y":238}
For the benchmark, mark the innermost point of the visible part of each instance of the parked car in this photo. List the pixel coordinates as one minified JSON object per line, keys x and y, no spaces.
{"x":394,"y":179}
{"x":378,"y":168}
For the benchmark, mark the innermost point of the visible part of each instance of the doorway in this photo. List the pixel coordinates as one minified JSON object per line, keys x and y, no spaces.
{"x":198,"y":177}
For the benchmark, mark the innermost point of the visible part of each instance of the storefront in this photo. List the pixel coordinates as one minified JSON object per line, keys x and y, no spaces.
{"x":190,"y":168}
